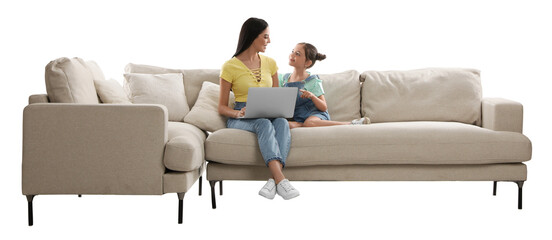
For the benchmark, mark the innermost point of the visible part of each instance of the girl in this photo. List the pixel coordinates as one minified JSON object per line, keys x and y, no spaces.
{"x":246,"y":69}
{"x":310,"y":108}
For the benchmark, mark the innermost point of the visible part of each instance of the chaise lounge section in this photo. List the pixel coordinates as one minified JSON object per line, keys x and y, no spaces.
{"x":73,"y":143}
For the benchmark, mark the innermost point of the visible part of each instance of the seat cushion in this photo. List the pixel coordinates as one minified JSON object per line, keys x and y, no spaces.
{"x":184,"y":150}
{"x":380,"y":143}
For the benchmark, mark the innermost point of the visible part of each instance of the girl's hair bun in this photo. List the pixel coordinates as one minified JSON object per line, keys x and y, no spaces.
{"x":320,"y":56}
{"x":312,"y":53}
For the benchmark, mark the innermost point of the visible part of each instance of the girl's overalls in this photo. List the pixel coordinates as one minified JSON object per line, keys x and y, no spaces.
{"x":304,"y":107}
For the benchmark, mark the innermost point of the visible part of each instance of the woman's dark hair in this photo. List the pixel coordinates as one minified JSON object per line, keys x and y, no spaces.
{"x":311,"y":53}
{"x":250,"y":30}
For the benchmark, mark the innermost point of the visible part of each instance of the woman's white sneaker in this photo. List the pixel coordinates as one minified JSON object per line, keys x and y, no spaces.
{"x":269,"y":189}
{"x":285,"y":190}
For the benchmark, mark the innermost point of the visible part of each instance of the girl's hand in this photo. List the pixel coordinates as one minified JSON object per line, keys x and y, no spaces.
{"x":306,"y":94}
{"x":240,"y":113}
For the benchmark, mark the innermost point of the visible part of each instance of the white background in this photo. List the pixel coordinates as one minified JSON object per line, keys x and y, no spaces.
{"x":509,"y":41}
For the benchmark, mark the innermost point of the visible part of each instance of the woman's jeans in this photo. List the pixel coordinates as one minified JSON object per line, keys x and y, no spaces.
{"x":273,"y":134}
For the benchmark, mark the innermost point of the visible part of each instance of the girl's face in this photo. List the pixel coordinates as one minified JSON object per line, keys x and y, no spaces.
{"x":297,"y":57}
{"x":259,"y":44}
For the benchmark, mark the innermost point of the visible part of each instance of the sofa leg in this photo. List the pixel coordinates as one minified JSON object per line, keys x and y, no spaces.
{"x":30,"y":208}
{"x":200,"y":184}
{"x":213,"y":201}
{"x":520,"y":193}
{"x":180,"y":206}
{"x":220,"y":186}
{"x":494,"y":188}
{"x":80,"y":195}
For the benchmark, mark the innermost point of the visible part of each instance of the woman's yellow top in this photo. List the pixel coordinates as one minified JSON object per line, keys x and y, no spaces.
{"x":242,"y":78}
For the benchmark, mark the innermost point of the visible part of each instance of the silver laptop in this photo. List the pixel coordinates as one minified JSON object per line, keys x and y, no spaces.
{"x":270,"y":102}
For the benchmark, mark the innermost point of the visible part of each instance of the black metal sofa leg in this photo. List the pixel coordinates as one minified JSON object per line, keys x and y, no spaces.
{"x":180,"y":206}
{"x":30,"y":208}
{"x":200,"y":184}
{"x":520,"y":192}
{"x":213,"y":200}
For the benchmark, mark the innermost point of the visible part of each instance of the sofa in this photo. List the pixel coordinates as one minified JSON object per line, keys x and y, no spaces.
{"x":157,"y":132}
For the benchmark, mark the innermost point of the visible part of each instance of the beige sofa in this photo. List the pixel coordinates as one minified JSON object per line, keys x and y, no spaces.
{"x":427,"y":125}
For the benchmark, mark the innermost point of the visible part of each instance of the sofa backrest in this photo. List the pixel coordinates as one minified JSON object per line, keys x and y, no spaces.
{"x":193,"y":78}
{"x":432,"y":94}
{"x":342,"y":94}
{"x":71,"y":80}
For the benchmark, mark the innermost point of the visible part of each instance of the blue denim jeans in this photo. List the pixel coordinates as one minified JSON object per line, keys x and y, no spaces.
{"x":273,"y":134}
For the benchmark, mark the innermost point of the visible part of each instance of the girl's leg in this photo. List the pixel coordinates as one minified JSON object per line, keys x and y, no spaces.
{"x":314,"y":121}
{"x":293,"y":124}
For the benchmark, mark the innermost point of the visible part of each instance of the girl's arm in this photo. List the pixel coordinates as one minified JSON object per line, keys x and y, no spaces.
{"x":223,"y":108}
{"x":319,"y":102}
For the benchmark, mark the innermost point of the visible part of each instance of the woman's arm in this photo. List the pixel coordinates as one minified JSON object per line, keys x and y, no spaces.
{"x":319,"y":102}
{"x":223,"y":108}
{"x":275,"y":81}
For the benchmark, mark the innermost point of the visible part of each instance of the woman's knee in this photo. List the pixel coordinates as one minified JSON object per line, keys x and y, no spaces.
{"x":263,"y":123}
{"x":280,"y":122}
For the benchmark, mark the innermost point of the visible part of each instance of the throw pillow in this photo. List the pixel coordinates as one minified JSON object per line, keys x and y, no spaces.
{"x":193,"y":78}
{"x":342,"y":95}
{"x":69,"y":80}
{"x":204,"y":113}
{"x":111,"y":91}
{"x":431,"y":94}
{"x":166,"y":89}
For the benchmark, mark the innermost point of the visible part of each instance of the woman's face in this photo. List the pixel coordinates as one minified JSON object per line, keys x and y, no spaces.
{"x":297,"y":57}
{"x":261,"y":41}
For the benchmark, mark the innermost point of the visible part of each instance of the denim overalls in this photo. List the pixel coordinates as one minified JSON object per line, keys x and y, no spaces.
{"x":304,"y":107}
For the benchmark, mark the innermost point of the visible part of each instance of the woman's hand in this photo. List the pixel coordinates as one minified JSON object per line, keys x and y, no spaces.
{"x":240,"y":113}
{"x":306,"y":94}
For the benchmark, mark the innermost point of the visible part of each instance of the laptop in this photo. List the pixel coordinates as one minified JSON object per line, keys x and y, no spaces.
{"x":270,"y":102}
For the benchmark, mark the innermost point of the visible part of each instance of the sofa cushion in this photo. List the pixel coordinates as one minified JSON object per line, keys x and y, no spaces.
{"x":111,"y":91}
{"x":204,"y":114}
{"x":342,"y":93}
{"x":193,"y":78}
{"x":184,"y":150}
{"x":69,"y":80}
{"x":434,"y":94}
{"x":166,"y":89}
{"x":380,"y":143}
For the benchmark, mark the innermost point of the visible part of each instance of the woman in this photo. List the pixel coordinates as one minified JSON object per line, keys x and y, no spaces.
{"x":246,"y":69}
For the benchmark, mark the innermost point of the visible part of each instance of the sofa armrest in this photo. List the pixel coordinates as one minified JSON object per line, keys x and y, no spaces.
{"x":38,"y":98}
{"x":502,"y":115}
{"x":93,"y":149}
